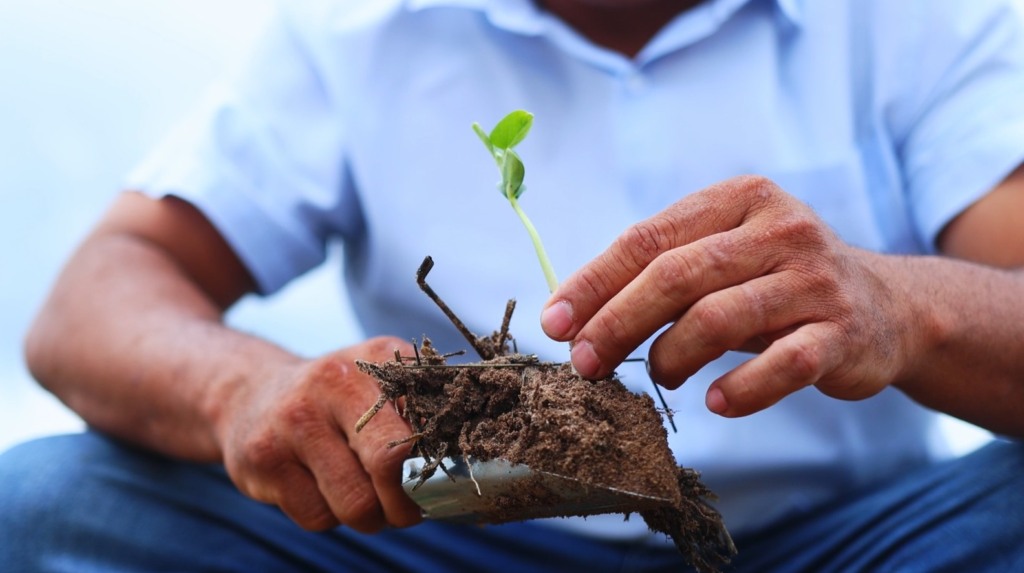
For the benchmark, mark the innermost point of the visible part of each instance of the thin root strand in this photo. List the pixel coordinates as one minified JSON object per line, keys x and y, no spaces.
{"x":365,"y":418}
{"x":411,"y":438}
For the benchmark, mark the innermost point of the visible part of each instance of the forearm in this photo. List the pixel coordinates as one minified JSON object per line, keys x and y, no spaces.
{"x":967,"y":358}
{"x":138,"y":350}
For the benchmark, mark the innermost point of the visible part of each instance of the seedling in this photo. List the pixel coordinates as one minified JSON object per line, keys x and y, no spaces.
{"x":501,"y":142}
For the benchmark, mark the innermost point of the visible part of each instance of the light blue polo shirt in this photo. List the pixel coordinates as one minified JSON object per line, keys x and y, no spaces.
{"x":352,"y":123}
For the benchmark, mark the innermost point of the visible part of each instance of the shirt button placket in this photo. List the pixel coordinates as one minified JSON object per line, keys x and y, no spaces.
{"x":635,"y":82}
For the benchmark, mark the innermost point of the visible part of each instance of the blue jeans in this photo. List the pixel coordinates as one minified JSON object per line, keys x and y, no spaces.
{"x":85,"y":503}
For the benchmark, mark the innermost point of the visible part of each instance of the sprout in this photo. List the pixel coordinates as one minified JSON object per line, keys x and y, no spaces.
{"x":509,"y":132}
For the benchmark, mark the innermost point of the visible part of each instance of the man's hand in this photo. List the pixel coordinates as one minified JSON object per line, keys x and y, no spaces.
{"x":292,"y":442}
{"x":132,"y":339}
{"x":738,"y":266}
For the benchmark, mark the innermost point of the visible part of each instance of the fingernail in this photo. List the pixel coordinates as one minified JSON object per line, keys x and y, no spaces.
{"x":556,"y":320}
{"x":715,"y":401}
{"x":585,"y":359}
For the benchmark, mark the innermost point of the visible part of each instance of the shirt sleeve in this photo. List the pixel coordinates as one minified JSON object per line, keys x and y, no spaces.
{"x":965,"y":131}
{"x":263,"y":160}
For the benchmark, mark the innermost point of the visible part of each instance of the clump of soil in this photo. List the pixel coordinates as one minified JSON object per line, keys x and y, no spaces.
{"x":512,"y":406}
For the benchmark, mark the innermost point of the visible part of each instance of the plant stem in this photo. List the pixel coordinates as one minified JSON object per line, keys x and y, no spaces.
{"x":545,"y":263}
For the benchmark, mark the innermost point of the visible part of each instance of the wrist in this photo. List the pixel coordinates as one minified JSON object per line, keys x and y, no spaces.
{"x":238,"y":388}
{"x":927,"y":315}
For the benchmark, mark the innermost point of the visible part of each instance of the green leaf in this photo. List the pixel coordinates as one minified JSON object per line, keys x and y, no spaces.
{"x":512,"y":174}
{"x":511,"y":130}
{"x":483,"y":137}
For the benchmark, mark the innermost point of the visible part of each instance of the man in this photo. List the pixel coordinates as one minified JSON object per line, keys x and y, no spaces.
{"x":880,"y":135}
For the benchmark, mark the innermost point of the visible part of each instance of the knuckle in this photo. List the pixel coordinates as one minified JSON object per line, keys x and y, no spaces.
{"x":759,"y":190}
{"x":299,"y":425}
{"x":298,"y":414}
{"x":315,"y":376}
{"x":315,"y":519}
{"x":713,"y":257}
{"x":680,"y":272}
{"x":804,"y":362}
{"x":262,"y":454}
{"x":263,"y":478}
{"x":803,"y":230}
{"x":806,"y":228}
{"x":712,"y":323}
{"x":593,"y":285}
{"x":613,"y":327}
{"x":755,"y":305}
{"x":382,"y":460}
{"x":717,"y":255}
{"x":359,"y":509}
{"x":644,"y":241}
{"x":674,"y":270}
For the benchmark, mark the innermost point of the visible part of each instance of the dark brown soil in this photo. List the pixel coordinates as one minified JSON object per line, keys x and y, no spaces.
{"x":511,"y":406}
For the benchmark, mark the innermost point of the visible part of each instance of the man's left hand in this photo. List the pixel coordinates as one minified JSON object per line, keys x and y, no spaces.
{"x":741,"y":265}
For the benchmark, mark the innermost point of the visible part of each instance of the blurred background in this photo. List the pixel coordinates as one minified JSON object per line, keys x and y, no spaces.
{"x":86,"y":89}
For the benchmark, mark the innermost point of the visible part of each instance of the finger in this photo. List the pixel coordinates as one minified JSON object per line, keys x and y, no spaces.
{"x":283,"y":481}
{"x":364,"y":495}
{"x":791,"y":363}
{"x":320,"y":446}
{"x":300,"y":499}
{"x":663,"y":292}
{"x":696,"y":216}
{"x":758,"y":310}
{"x":345,"y":485}
{"x":381,"y":463}
{"x":759,"y":343}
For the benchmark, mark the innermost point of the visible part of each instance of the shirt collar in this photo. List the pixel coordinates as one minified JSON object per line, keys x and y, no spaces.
{"x":524,"y":13}
{"x":520,"y":16}
{"x":524,"y":17}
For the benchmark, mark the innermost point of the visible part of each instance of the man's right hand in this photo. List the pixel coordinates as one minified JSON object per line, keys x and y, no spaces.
{"x":291,"y":442}
{"x":132,"y":339}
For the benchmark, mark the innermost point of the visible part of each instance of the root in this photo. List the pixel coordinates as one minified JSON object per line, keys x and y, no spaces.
{"x":412,"y":438}
{"x":421,"y":280}
{"x":434,"y":462}
{"x":472,"y":478}
{"x":503,"y":334}
{"x":365,"y":418}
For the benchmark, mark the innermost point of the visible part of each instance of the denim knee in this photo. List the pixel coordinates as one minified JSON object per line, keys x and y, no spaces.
{"x":38,"y":483}
{"x":86,"y":502}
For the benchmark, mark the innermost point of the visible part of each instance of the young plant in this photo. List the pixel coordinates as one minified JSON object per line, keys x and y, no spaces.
{"x":500,"y":142}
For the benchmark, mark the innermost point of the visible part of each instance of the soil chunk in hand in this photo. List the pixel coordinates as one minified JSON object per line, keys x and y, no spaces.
{"x":544,"y":415}
{"x":512,"y":407}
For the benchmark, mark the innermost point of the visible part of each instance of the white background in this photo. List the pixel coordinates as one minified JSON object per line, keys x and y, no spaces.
{"x":86,"y":88}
